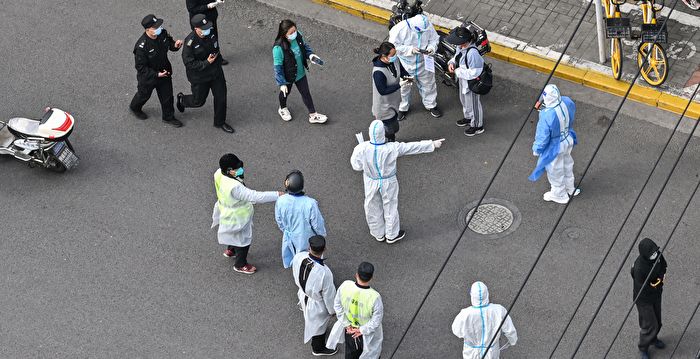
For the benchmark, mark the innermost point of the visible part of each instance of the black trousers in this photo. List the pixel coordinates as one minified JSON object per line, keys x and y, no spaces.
{"x":318,"y":343}
{"x":303,"y":86}
{"x":241,"y":255}
{"x":391,"y":127}
{"x":200,"y":91}
{"x":164,"y":89}
{"x":353,"y":346}
{"x":649,"y":323}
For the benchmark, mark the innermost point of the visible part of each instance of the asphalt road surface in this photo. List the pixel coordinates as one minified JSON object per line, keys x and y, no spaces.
{"x":116,"y":259}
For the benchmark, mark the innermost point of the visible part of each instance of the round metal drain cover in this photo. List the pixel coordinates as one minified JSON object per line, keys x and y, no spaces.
{"x":496,"y":218}
{"x":491,"y":218}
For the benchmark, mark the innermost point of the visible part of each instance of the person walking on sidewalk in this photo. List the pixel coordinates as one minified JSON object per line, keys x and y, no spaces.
{"x":376,"y":159}
{"x":360,"y":311}
{"x":298,"y":217}
{"x":290,"y":56}
{"x":233,"y":211}
{"x":316,"y":294}
{"x":208,"y":9}
{"x":478,"y":324}
{"x":388,"y":76}
{"x":649,"y":261}
{"x":203,"y":65}
{"x":416,"y":40}
{"x":467,"y":65}
{"x":554,"y":140}
{"x":153,"y":69}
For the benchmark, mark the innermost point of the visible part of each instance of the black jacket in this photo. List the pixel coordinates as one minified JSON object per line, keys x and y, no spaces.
{"x":195,"y":7}
{"x":289,"y":65}
{"x":151,"y":56}
{"x":642,"y":266}
{"x":195,"y":53}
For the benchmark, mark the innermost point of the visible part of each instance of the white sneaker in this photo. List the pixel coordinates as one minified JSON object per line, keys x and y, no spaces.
{"x":549,"y":198}
{"x":576,"y":192}
{"x":379,"y":239}
{"x":285,"y":114}
{"x":318,"y":118}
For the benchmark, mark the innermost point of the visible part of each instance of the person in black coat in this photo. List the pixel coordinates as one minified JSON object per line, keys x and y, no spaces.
{"x":153,"y":69}
{"x":208,"y":9}
{"x":648,"y":294}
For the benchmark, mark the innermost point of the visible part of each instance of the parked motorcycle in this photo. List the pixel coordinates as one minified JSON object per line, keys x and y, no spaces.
{"x":41,"y":141}
{"x":445,"y":51}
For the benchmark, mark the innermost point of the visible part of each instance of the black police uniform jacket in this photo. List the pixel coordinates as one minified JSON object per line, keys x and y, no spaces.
{"x":195,"y":54}
{"x":195,"y":7}
{"x":151,"y":56}
{"x":651,"y":290}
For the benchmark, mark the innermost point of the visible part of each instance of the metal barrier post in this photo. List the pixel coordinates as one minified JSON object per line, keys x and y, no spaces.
{"x":600,"y":27}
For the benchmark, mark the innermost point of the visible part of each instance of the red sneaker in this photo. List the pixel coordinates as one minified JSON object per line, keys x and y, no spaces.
{"x":229,"y":253}
{"x":246,"y":269}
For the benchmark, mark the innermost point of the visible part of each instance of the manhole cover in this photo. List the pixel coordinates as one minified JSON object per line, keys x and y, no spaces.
{"x":491,"y":218}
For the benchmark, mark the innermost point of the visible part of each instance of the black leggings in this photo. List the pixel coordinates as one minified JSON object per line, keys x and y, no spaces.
{"x":303,"y":87}
{"x":241,"y":255}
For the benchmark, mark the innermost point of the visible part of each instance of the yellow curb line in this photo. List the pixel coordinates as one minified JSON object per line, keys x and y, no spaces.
{"x":586,"y":77}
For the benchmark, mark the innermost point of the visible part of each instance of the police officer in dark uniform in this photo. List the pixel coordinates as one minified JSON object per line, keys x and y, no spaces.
{"x":208,"y":9}
{"x":203,"y":65}
{"x":153,"y":69}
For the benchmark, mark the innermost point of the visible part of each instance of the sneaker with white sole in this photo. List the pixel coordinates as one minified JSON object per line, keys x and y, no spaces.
{"x":285,"y":114}
{"x":318,"y":118}
{"x":550,"y":198}
{"x":246,"y":269}
{"x":380,"y":239}
{"x":324,"y":352}
{"x":399,"y":237}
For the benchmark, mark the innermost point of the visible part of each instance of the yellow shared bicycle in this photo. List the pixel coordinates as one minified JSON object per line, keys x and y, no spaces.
{"x":655,"y":69}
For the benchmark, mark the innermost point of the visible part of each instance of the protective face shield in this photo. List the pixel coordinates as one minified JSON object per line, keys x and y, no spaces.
{"x":292,"y":37}
{"x":206,"y":32}
{"x":420,"y":23}
{"x":294,"y":182}
{"x":158,"y":31}
{"x":551,"y":96}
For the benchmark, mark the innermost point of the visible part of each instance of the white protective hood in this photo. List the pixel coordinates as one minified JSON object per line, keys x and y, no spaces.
{"x":479,"y":294}
{"x":377,"y":133}
{"x":551,"y":96}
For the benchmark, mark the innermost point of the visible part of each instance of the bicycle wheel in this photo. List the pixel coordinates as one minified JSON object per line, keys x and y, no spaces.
{"x":655,"y":70}
{"x":616,"y":58}
{"x":693,"y":4}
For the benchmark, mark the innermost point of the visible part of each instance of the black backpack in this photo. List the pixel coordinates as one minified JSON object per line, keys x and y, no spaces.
{"x":482,"y":84}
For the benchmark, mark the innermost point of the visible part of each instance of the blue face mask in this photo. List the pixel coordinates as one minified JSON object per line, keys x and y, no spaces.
{"x":239,"y":172}
{"x":393,"y":58}
{"x":158,"y":31}
{"x":292,"y":37}
{"x":206,"y":32}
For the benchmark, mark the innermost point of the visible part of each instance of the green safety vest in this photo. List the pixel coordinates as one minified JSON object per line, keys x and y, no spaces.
{"x":358,"y":304}
{"x":234,"y":212}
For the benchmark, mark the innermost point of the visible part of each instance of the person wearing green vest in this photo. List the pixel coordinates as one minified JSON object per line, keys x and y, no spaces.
{"x":359,"y":310}
{"x":233,"y":212}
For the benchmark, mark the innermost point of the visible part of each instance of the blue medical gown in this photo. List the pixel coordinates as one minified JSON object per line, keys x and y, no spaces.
{"x":299,"y":218}
{"x":548,"y":136}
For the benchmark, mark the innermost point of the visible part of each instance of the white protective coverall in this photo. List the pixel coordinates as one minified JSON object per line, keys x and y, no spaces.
{"x":416,"y":32}
{"x":376,"y":158}
{"x":477,"y":325}
{"x":316,"y":293}
{"x":234,"y":214}
{"x":371,"y":325}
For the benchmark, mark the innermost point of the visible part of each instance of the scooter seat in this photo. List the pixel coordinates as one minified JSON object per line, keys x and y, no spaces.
{"x":54,"y":125}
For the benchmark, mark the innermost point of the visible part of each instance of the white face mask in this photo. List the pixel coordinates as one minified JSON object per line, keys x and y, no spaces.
{"x":653,"y":256}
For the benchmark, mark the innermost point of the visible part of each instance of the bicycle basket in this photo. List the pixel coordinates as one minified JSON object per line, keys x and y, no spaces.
{"x":654,"y":33}
{"x":618,"y":27}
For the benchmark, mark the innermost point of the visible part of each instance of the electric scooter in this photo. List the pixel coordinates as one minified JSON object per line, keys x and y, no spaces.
{"x":42,"y":142}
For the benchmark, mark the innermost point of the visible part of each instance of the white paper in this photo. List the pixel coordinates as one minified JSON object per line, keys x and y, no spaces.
{"x":359,"y":137}
{"x":429,"y":63}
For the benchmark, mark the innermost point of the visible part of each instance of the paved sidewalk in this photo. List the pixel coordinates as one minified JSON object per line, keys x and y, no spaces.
{"x":546,"y":26}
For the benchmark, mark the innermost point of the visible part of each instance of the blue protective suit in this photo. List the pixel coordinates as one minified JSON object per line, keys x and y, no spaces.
{"x":299,"y":219}
{"x":549,"y":134}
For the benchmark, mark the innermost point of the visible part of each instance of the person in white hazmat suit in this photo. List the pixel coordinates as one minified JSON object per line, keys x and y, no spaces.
{"x":477,"y":325}
{"x":376,"y":158}
{"x":554,"y":139}
{"x":416,"y":39}
{"x":233,"y":211}
{"x":316,"y":294}
{"x":360,"y":311}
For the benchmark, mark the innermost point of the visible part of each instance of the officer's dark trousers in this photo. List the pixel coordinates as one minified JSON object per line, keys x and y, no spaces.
{"x":241,"y":255}
{"x":164,"y":88}
{"x":649,"y":323}
{"x":200,"y":91}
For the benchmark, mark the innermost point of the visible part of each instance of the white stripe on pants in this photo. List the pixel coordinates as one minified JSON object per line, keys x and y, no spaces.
{"x":560,"y":172}
{"x":471,"y":107}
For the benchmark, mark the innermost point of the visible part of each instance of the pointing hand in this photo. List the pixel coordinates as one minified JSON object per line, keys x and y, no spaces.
{"x":438,"y":143}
